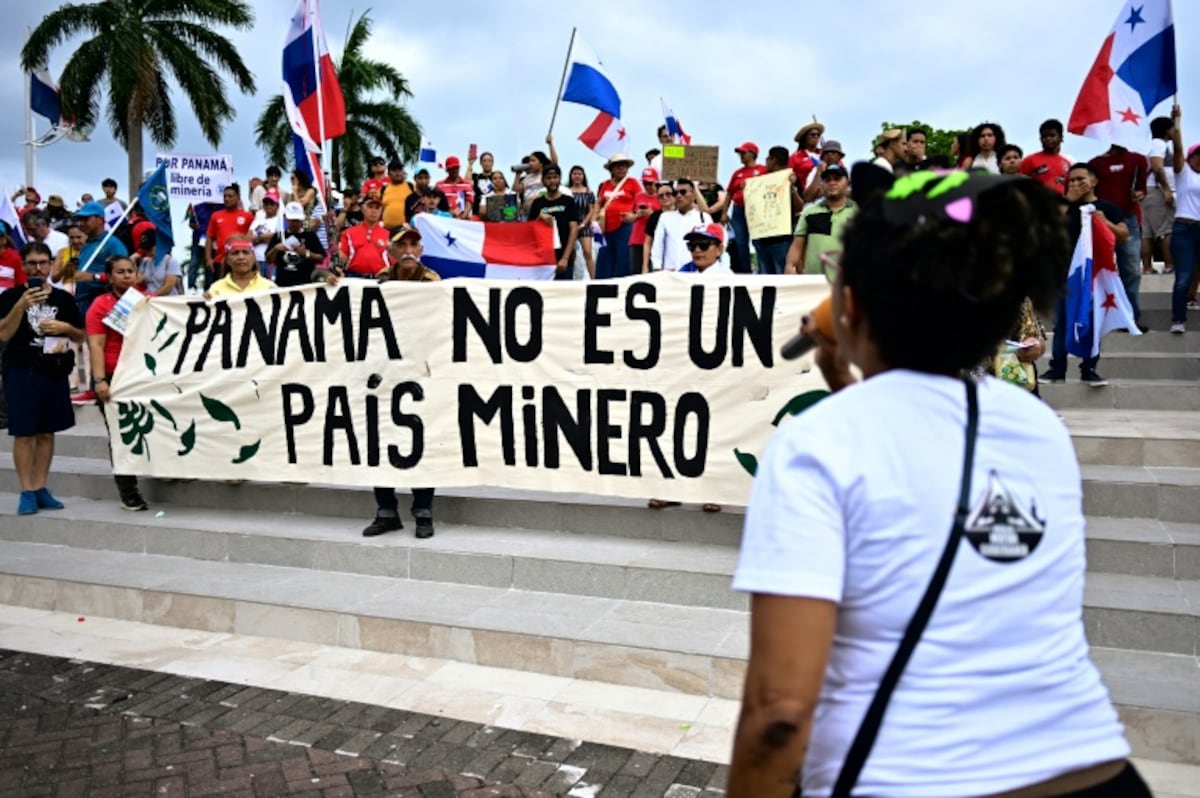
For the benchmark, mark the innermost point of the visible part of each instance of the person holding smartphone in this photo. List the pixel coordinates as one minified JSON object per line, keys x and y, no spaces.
{"x":38,"y":322}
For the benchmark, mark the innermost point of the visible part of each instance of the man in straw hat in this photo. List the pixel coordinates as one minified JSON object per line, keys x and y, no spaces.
{"x":808,"y":150}
{"x":616,"y":198}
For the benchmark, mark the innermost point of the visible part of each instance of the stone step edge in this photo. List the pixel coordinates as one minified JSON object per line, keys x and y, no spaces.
{"x":104,"y":527}
{"x":698,"y":673}
{"x":515,"y":651}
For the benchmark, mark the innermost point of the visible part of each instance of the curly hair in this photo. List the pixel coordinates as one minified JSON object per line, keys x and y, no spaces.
{"x":958,"y":287}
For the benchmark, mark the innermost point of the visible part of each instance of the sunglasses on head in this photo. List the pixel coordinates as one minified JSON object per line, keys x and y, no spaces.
{"x":703,"y":245}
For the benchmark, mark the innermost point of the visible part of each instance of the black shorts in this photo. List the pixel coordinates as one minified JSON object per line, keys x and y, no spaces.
{"x":38,"y":402}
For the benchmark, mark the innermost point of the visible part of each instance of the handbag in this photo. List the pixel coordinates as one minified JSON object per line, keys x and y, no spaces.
{"x":1009,"y":368}
{"x":864,"y":739}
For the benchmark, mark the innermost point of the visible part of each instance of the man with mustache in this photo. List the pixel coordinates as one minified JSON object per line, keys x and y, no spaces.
{"x":404,"y":251}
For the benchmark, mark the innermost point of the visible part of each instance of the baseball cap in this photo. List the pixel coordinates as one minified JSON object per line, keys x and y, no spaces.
{"x":1193,"y":149}
{"x":649,"y":175}
{"x":372,"y":199}
{"x":92,"y":208}
{"x":452,"y":162}
{"x":293,"y":210}
{"x":401,"y":233}
{"x":552,"y":169}
{"x":271,"y":195}
{"x":891,"y":134}
{"x":747,"y":146}
{"x":834,"y":170}
{"x":711,"y":231}
{"x":833,"y":145}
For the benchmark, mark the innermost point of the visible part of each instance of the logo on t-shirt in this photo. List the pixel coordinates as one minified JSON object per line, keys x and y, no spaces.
{"x":999,"y":528}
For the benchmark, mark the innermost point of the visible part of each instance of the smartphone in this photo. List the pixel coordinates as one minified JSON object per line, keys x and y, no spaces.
{"x":472,"y":152}
{"x":35,"y":282}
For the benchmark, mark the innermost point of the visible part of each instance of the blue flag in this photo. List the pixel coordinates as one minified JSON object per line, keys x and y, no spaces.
{"x":156,"y":204}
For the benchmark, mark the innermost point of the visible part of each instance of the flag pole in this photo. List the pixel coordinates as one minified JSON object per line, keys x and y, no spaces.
{"x":109,"y":233}
{"x":30,"y":130}
{"x":562,"y":82}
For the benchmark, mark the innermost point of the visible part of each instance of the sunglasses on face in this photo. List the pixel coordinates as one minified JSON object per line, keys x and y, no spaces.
{"x":701,"y":245}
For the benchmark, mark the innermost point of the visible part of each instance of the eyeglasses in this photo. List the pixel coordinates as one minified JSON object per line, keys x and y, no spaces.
{"x":37,"y":263}
{"x":831,"y":264}
{"x":701,"y":245}
{"x":682,"y":192}
{"x":666,"y":194}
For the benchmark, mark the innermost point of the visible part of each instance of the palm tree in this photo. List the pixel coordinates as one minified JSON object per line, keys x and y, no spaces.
{"x":137,"y":47}
{"x":374,"y":125}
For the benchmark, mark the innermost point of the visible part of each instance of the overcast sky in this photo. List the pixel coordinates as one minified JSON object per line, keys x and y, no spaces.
{"x":488,"y":73}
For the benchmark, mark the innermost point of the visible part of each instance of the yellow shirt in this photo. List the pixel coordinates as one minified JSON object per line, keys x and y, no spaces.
{"x":394,"y":196}
{"x":227,"y":287}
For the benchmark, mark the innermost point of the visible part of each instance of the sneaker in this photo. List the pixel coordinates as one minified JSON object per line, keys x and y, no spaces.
{"x":1179,"y":328}
{"x":1092,"y":379}
{"x":1145,"y":328}
{"x":134,"y":503}
{"x":1053,"y":375}
{"x":382,"y":524}
{"x":46,"y":500}
{"x":27,"y":504}
{"x":424,"y":523}
{"x":1193,"y":304}
{"x":84,"y":398}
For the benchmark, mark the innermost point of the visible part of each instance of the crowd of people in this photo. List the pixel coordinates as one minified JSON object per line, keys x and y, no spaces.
{"x":632,"y":222}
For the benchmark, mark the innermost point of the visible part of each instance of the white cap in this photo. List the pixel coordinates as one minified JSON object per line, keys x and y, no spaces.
{"x":293,"y":210}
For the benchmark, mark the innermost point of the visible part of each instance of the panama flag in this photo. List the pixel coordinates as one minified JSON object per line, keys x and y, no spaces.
{"x":43,"y":95}
{"x":587,"y":83}
{"x":1096,"y":299}
{"x":674,"y":129}
{"x":305,"y":57}
{"x":12,"y":221}
{"x":605,"y":136}
{"x":1133,"y":73}
{"x":498,"y":250}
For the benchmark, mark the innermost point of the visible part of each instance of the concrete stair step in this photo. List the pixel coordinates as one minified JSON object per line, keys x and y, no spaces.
{"x":688,"y":574}
{"x":1142,"y":547}
{"x":683,"y":649}
{"x":1134,"y":437}
{"x":1122,"y":394}
{"x":1153,"y":341}
{"x":1143,"y":613}
{"x":1149,"y":366}
{"x":1166,"y":494}
{"x":698,"y":650}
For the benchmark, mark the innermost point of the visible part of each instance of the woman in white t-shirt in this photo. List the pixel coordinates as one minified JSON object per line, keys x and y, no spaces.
{"x":1185,"y":231}
{"x":851,"y":512}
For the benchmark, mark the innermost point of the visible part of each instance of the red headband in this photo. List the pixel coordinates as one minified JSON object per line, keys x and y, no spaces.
{"x":230,"y":246}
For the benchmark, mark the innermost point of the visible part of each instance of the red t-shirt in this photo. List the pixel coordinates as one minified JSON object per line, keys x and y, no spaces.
{"x":737,"y":183}
{"x":1049,"y":170}
{"x":1120,"y":176}
{"x":94,"y":325}
{"x":802,"y":163}
{"x":12,"y":273}
{"x":637,"y":238}
{"x":453,"y":190}
{"x":364,"y":248}
{"x":223,"y":224}
{"x":618,"y":203}
{"x":374,"y":185}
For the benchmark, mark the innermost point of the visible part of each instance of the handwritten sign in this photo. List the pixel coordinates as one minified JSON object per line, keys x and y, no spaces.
{"x":196,"y":178}
{"x":769,"y":204}
{"x":696,"y":161}
{"x":667,"y":385}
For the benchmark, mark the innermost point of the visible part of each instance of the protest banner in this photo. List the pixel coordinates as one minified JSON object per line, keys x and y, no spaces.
{"x":196,"y":178}
{"x":665,"y":386}
{"x":696,"y":161}
{"x":769,"y":204}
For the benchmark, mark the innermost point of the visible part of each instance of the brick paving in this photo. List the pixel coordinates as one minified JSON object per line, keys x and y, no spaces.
{"x":73,"y":728}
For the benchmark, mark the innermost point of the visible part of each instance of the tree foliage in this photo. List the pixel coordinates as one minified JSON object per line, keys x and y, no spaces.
{"x":138,"y":50}
{"x":376,"y":121}
{"x":937,"y":141}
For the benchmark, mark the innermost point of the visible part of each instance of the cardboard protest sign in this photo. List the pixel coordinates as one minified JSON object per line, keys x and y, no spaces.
{"x":696,"y":161}
{"x":196,"y":178}
{"x":665,"y":386}
{"x":769,"y":204}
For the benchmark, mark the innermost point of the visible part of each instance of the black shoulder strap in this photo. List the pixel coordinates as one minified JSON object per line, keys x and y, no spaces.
{"x":864,"y":740}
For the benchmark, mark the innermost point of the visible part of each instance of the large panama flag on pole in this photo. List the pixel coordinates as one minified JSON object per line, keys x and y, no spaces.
{"x":308,"y":71}
{"x":1134,"y":72}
